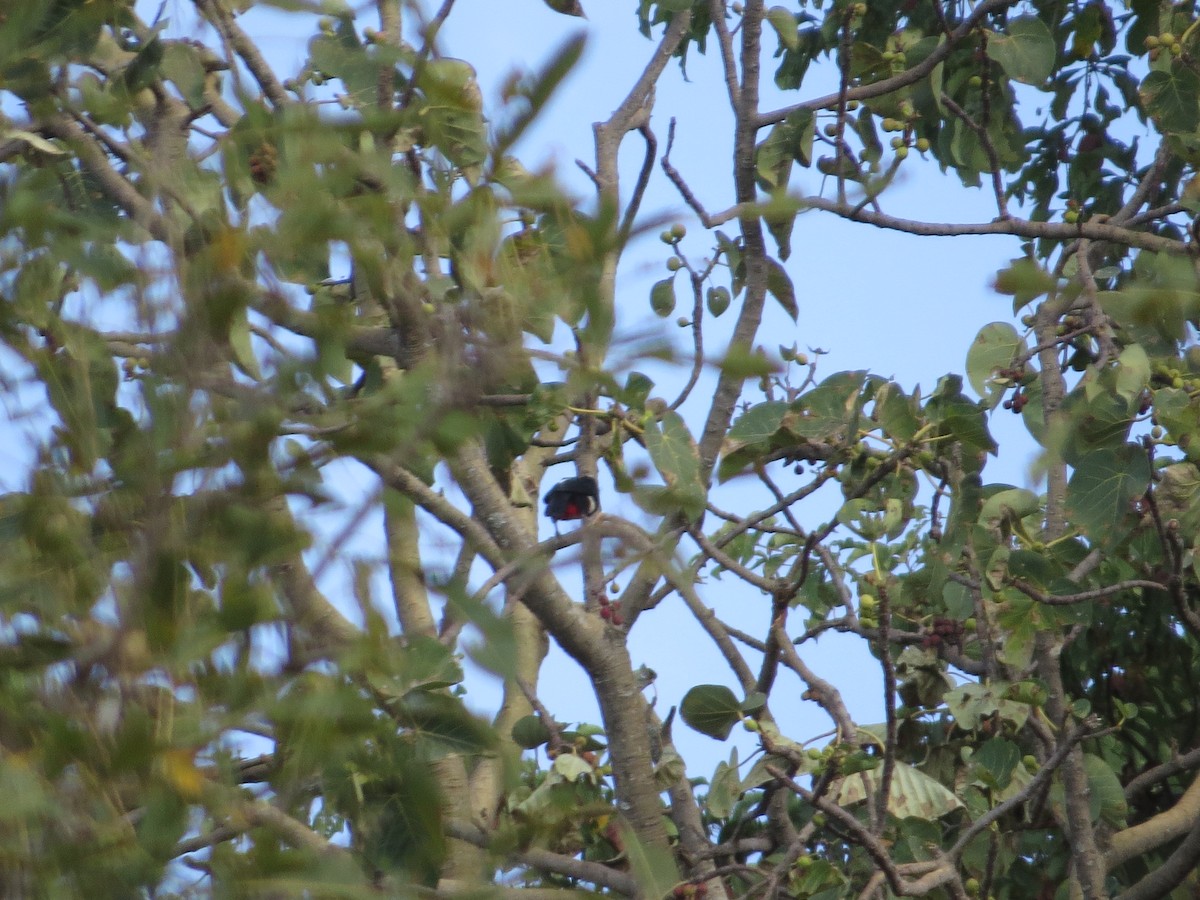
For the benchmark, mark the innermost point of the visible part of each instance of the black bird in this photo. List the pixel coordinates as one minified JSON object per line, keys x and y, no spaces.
{"x":572,"y":498}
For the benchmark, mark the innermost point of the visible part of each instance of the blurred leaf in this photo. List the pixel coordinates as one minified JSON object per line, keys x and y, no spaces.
{"x":784,"y":23}
{"x":1026,"y":280}
{"x":529,"y":732}
{"x":566,"y":7}
{"x":443,"y":725}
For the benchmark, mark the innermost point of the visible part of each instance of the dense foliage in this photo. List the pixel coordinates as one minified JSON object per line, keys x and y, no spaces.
{"x":184,"y":712}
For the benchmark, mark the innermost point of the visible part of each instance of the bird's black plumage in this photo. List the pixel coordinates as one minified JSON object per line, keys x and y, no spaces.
{"x":572,"y":498}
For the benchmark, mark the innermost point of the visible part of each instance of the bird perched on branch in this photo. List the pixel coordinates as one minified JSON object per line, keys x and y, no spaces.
{"x":572,"y":498}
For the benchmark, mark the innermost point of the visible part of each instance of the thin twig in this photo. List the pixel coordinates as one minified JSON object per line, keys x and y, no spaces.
{"x":989,"y":150}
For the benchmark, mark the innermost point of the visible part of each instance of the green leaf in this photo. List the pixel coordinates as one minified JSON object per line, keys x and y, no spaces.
{"x":996,"y":347}
{"x":724,"y":787}
{"x":1104,"y":792}
{"x":181,"y":64}
{"x":1027,"y":52}
{"x":913,"y":794}
{"x":239,"y":342}
{"x":779,"y":285}
{"x":443,"y":725}
{"x":759,"y":423}
{"x":1102,"y":487}
{"x":998,"y":758}
{"x":677,"y":459}
{"x":717,"y":299}
{"x":785,"y":25}
{"x":529,"y":732}
{"x":1170,"y":98}
{"x":662,"y":297}
{"x":653,"y":867}
{"x":572,"y":767}
{"x":831,"y":408}
{"x":1009,"y":505}
{"x":1026,"y":280}
{"x":711,"y":709}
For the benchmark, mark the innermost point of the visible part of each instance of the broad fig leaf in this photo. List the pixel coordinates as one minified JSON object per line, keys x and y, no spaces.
{"x":677,"y":459}
{"x":1171,"y":98}
{"x":913,"y":794}
{"x":1103,"y":486}
{"x":998,"y":759}
{"x":759,"y":423}
{"x":653,"y":867}
{"x":996,"y":347}
{"x":711,"y":709}
{"x":1026,"y":52}
{"x":724,"y":787}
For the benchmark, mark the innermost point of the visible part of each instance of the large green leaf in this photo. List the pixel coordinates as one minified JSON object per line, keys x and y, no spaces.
{"x":1103,"y":486}
{"x":653,"y":867}
{"x":1105,"y":794}
{"x":913,"y":794}
{"x":711,"y":709}
{"x":724,"y":787}
{"x":758,"y":424}
{"x":1026,"y":51}
{"x":677,"y":459}
{"x":1171,"y":98}
{"x":998,"y":759}
{"x":995,"y":348}
{"x":970,"y":703}
{"x":831,"y":408}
